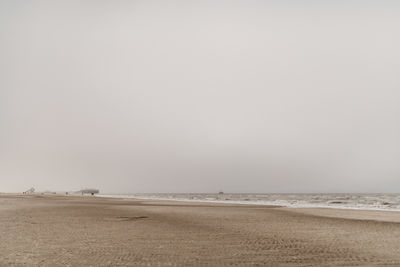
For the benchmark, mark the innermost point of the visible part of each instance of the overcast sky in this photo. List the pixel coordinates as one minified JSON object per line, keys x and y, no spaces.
{"x":200,"y":96}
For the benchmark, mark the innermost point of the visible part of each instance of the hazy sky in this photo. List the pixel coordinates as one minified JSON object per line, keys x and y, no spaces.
{"x":199,"y":96}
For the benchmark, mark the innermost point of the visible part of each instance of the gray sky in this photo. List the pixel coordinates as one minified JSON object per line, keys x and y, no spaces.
{"x":198,"y":96}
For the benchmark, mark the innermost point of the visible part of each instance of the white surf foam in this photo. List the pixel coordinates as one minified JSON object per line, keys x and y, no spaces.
{"x":388,"y":202}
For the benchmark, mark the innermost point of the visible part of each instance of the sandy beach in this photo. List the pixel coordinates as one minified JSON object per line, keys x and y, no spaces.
{"x":41,"y":230}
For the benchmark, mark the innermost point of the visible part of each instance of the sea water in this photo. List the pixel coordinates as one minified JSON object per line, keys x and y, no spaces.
{"x":342,"y":201}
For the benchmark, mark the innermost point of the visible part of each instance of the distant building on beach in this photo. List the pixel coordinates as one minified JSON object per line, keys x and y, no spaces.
{"x":29,"y":191}
{"x":89,"y":191}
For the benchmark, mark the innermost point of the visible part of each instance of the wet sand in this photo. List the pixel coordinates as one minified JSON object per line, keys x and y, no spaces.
{"x":87,"y":231}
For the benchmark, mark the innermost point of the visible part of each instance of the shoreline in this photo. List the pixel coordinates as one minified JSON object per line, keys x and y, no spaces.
{"x":259,"y":203}
{"x":333,"y":212}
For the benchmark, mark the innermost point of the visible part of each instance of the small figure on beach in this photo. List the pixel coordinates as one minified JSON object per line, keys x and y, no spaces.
{"x":90,"y":191}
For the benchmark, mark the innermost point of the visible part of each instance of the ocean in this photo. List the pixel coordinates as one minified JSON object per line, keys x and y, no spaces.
{"x":342,"y":201}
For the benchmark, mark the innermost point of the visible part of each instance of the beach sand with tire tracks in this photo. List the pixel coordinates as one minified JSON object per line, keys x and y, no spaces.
{"x":40,"y":230}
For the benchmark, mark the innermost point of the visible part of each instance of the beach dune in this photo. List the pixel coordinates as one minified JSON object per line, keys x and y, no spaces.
{"x":81,"y":231}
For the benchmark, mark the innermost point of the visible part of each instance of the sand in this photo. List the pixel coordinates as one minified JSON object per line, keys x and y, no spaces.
{"x":88,"y":231}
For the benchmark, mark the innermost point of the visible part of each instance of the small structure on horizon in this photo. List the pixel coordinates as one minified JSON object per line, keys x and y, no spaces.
{"x":90,"y":191}
{"x":29,"y":191}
